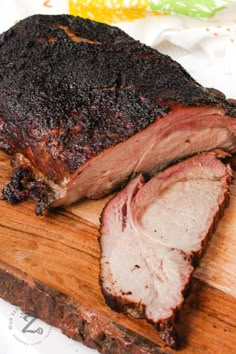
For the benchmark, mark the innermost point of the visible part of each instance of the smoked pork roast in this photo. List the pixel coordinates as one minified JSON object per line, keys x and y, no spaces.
{"x":154,"y":233}
{"x":84,"y":107}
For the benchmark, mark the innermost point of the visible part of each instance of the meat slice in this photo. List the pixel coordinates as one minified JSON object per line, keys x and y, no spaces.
{"x":83,"y":107}
{"x":153,"y":234}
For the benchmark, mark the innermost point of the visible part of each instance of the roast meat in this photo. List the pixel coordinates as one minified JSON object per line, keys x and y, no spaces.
{"x":83,"y":107}
{"x":153,"y":234}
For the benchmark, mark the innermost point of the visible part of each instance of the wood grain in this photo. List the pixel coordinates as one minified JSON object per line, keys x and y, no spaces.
{"x":61,"y":253}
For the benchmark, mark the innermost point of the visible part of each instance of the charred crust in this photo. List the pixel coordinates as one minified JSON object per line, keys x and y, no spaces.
{"x":23,"y":186}
{"x":15,"y":192}
{"x":168,"y":333}
{"x":116,"y":87}
{"x":42,"y":194}
{"x":120,"y":305}
{"x":166,"y":328}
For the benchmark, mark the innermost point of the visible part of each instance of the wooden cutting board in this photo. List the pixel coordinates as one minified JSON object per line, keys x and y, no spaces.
{"x":50,"y":265}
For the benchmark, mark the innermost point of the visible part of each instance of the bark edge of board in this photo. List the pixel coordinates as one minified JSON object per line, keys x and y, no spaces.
{"x":75,"y":320}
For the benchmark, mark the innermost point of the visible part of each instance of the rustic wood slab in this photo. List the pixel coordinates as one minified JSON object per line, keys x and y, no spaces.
{"x":49,"y":266}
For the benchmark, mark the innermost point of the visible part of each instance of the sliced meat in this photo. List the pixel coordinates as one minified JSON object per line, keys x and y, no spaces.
{"x":83,"y":106}
{"x":153,"y":234}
